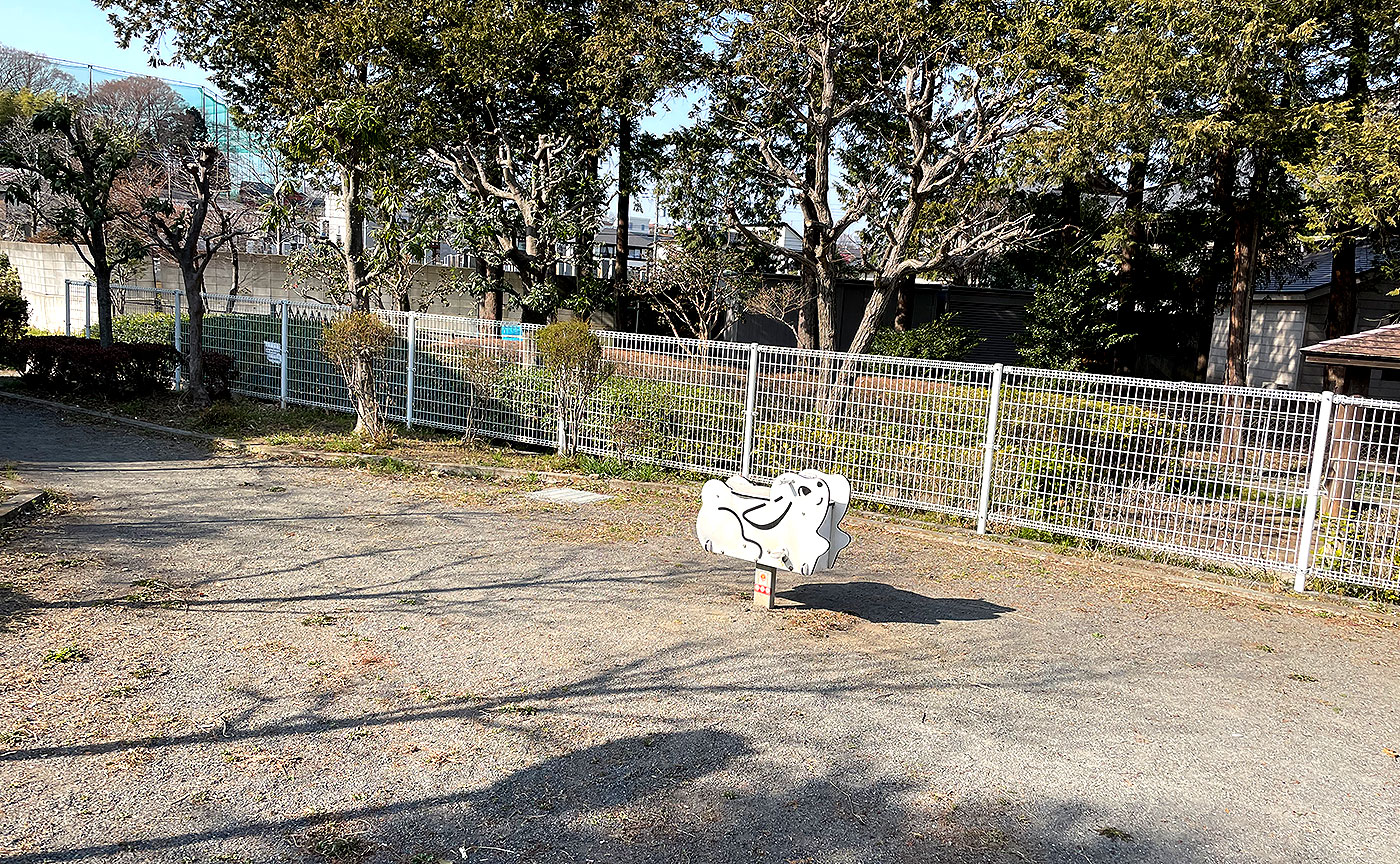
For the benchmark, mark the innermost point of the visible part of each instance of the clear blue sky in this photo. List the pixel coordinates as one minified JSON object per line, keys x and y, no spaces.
{"x":77,"y":30}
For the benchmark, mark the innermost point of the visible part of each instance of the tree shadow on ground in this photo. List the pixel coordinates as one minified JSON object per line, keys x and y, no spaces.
{"x":884,"y":604}
{"x":16,"y":608}
{"x":693,"y":796}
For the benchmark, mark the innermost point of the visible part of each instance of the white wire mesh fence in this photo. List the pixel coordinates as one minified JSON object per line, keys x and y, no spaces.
{"x":1282,"y":481}
{"x":1219,"y":473}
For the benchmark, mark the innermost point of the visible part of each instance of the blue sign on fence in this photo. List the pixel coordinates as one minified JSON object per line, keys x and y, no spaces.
{"x":511,"y":333}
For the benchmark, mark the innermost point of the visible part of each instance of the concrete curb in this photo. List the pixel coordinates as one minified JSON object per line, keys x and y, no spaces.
{"x":19,"y":499}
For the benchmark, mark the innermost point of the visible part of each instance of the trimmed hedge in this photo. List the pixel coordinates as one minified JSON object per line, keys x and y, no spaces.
{"x":144,"y":327}
{"x":68,"y":364}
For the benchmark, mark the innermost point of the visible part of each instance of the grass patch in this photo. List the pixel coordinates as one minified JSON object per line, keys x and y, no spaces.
{"x":1299,"y":676}
{"x":1390,"y":596}
{"x":612,"y":466}
{"x":317,"y":621}
{"x":70,"y":653}
{"x":336,"y":842}
{"x":389,"y":466}
{"x":1115,"y":834}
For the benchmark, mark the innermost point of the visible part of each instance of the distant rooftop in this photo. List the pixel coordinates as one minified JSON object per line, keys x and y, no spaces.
{"x":1372,"y":348}
{"x":1317,"y":271}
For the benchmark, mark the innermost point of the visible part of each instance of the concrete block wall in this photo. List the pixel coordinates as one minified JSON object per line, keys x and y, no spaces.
{"x":43,"y":267}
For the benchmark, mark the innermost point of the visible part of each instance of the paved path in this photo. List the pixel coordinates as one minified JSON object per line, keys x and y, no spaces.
{"x":286,"y":662}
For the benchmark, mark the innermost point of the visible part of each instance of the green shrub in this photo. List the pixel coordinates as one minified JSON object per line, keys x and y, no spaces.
{"x":571,"y":347}
{"x":69,"y":364}
{"x":356,"y":343}
{"x":14,"y":321}
{"x":573,"y":357}
{"x":941,"y":339}
{"x":356,"y":336}
{"x":142,"y":327}
{"x":638,"y":418}
{"x":9,"y":278}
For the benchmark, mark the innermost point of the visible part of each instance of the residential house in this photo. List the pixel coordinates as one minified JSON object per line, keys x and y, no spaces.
{"x":1286,"y":317}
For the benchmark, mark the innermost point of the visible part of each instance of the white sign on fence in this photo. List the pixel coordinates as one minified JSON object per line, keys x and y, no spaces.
{"x":793,"y":525}
{"x":273,"y":350}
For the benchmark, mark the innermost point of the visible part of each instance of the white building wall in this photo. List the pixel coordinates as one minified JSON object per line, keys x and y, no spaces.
{"x":42,"y":267}
{"x":1276,"y":332}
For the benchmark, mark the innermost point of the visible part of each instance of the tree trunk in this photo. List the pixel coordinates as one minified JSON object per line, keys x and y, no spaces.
{"x":1128,"y":264}
{"x":1246,"y":258}
{"x":1216,"y":270}
{"x":1341,"y":310}
{"x":494,"y":297}
{"x":904,"y":304}
{"x":1246,"y":232}
{"x":196,"y":391}
{"x":885,"y":290}
{"x":808,"y":326}
{"x":355,"y":239}
{"x":806,"y":330}
{"x":102,"y":277}
{"x":1347,"y":381}
{"x":826,"y":309}
{"x":489,"y":292}
{"x":624,"y":200}
{"x":359,"y":378}
{"x":233,"y":290}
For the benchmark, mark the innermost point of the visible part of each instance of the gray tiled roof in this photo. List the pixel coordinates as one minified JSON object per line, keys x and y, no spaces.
{"x":1317,"y":271}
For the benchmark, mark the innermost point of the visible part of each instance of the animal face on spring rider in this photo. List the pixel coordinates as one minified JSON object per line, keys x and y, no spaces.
{"x":792,"y":525}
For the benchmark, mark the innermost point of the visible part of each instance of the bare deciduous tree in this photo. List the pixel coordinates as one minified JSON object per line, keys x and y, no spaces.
{"x":141,"y":105}
{"x":931,"y":187}
{"x":697,"y":283}
{"x":189,"y":228}
{"x":24,"y":70}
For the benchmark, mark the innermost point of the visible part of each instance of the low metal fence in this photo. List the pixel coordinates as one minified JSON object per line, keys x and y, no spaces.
{"x":1306,"y":484}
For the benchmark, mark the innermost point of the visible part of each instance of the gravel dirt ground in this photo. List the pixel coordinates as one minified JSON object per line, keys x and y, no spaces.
{"x":212,"y":658}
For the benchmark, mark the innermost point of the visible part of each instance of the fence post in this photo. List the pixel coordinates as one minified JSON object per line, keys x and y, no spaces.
{"x":989,"y":446}
{"x":87,"y":310}
{"x":178,"y":366}
{"x":286,"y":358}
{"x":750,"y":400}
{"x":67,"y":307}
{"x":412,"y":358}
{"x":1321,"y":438}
